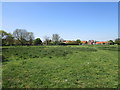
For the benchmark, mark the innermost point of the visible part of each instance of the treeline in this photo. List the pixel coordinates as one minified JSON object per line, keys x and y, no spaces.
{"x":23,"y":37}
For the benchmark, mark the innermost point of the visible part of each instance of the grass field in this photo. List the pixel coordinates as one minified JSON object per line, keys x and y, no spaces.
{"x":60,"y":66}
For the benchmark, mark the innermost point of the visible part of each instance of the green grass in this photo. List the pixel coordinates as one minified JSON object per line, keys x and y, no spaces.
{"x":60,"y":67}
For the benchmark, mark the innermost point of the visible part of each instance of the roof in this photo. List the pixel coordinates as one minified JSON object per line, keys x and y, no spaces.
{"x":83,"y":41}
{"x":67,"y":41}
{"x":100,"y":42}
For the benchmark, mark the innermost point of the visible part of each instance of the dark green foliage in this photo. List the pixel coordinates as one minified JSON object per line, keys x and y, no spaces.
{"x":37,"y":41}
{"x":110,"y":42}
{"x":117,"y":41}
{"x":78,"y":41}
{"x":7,"y":38}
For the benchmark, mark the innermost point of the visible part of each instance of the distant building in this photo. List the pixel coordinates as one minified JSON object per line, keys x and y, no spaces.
{"x":91,"y":42}
{"x":101,"y":43}
{"x":84,"y":42}
{"x":68,"y":41}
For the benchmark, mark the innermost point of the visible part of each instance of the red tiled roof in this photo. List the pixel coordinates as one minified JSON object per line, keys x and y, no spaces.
{"x":100,"y":42}
{"x":83,"y":41}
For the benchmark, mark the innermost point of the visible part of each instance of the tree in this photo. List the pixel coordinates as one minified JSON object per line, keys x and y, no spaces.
{"x":22,"y":35}
{"x":9,"y":39}
{"x":55,"y":38}
{"x":117,"y":41}
{"x":3,"y":34}
{"x":78,"y":41}
{"x":37,"y":41}
{"x":47,"y":40}
{"x":110,"y":42}
{"x":16,"y":42}
{"x":30,"y":37}
{"x":6,"y":38}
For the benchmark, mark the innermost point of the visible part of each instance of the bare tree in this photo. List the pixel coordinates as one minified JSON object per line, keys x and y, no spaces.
{"x":55,"y":38}
{"x":20,"y":35}
{"x":46,"y":40}
{"x":30,"y":37}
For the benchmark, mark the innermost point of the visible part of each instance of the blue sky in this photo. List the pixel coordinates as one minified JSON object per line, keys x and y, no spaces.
{"x":71,"y":20}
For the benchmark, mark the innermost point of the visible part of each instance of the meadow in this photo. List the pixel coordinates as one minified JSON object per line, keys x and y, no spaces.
{"x":82,"y":66}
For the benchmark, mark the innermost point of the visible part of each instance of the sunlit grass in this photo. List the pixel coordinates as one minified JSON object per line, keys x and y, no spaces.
{"x":60,"y":67}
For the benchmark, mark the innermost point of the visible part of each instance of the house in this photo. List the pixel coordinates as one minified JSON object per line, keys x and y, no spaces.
{"x":84,"y":42}
{"x":67,"y":41}
{"x":90,"y":42}
{"x":101,"y":43}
